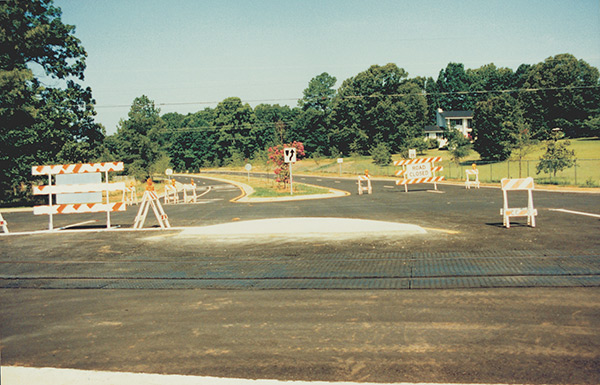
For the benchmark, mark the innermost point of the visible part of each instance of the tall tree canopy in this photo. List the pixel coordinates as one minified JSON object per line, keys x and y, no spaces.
{"x":497,"y":124}
{"x":377,"y":105}
{"x":566,"y":93}
{"x":319,"y":93}
{"x":137,"y":142}
{"x":40,"y":123}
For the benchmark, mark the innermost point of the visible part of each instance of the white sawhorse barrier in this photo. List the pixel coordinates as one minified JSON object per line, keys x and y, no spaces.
{"x":469,"y":182}
{"x":192,"y":188}
{"x":130,"y":195}
{"x":367,"y":187}
{"x":171,"y":195}
{"x":524,"y":184}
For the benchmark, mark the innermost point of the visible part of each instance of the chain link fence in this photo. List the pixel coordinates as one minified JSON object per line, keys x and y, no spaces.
{"x":585,"y":172}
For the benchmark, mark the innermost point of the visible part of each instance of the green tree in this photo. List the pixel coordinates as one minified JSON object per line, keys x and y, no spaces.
{"x":495,"y":123}
{"x":381,"y":155}
{"x":45,"y":115}
{"x":137,"y":140}
{"x":319,"y":93}
{"x":490,"y":78}
{"x":458,"y":145}
{"x":193,"y":140}
{"x":523,"y":143}
{"x":566,"y":93}
{"x":310,"y":125}
{"x":453,"y":84}
{"x":233,"y":122}
{"x":272,"y":124}
{"x":380,"y":105}
{"x":557,"y":156}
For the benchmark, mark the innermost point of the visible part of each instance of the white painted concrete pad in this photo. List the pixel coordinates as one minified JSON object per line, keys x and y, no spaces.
{"x":13,"y":375}
{"x":304,"y":226}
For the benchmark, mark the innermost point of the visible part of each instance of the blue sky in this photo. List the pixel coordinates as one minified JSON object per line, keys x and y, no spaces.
{"x":190,"y":54}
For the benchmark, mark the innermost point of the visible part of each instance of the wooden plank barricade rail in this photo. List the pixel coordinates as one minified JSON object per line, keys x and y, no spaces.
{"x":419,"y":170}
{"x":523,"y":184}
{"x":77,"y":208}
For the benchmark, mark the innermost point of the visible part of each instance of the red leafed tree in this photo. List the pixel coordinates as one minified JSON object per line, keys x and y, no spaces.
{"x":282,"y":169}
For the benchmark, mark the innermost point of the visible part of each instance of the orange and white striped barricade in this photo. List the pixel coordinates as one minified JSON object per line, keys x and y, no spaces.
{"x":523,"y":184}
{"x":104,"y":188}
{"x":419,"y":170}
{"x":367,"y":184}
{"x":150,"y":199}
{"x":130,"y":195}
{"x":3,"y":224}
{"x":469,"y":182}
{"x":171,"y":194}
{"x":191,"y":187}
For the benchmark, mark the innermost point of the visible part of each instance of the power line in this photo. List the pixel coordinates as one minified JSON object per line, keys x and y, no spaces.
{"x":423,"y":93}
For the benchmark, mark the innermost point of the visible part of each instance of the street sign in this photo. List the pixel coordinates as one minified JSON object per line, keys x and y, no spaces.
{"x":169,"y":171}
{"x":248,"y":167}
{"x":412,"y":153}
{"x":422,"y":170}
{"x":289,"y":155}
{"x":340,"y":160}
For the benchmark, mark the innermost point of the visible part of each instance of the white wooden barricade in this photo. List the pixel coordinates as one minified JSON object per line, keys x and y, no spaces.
{"x":130,"y":195}
{"x":3,"y":224}
{"x":524,"y":184}
{"x":367,"y":187}
{"x":150,"y":199}
{"x":420,"y":170}
{"x":469,"y":182}
{"x":192,"y":188}
{"x":53,"y":189}
{"x":171,"y":194}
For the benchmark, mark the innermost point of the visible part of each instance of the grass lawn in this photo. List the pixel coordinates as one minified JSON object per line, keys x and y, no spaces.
{"x":586,"y":173}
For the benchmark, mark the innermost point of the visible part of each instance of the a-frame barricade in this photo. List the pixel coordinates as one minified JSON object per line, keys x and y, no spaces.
{"x":150,"y":199}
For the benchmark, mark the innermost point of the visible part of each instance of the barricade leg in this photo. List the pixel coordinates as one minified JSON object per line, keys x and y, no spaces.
{"x":530,"y":209}
{"x":3,"y":224}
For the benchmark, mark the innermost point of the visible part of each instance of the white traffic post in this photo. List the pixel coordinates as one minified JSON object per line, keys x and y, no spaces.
{"x":50,"y":219}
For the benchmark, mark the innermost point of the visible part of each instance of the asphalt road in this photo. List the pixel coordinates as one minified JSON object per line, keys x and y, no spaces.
{"x":518,"y":305}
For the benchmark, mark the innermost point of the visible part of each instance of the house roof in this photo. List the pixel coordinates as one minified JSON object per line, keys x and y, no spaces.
{"x":457,"y":114}
{"x":433,"y":129}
